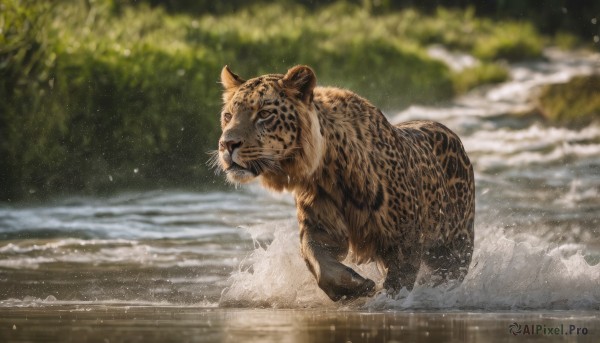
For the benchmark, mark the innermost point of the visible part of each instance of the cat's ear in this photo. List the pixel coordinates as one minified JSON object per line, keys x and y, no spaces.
{"x":301,"y":81}
{"x":230,"y":82}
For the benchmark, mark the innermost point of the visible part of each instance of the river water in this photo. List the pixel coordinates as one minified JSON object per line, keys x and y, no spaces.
{"x":537,"y":228}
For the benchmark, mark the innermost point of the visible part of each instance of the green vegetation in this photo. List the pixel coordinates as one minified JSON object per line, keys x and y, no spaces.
{"x":551,"y":17}
{"x":100,"y":95}
{"x":575,"y":102}
{"x":485,"y":73}
{"x":96,"y":101}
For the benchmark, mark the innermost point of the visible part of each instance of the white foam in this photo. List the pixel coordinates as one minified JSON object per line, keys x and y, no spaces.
{"x":31,"y":301}
{"x":531,"y":145}
{"x":274,"y":275}
{"x":456,"y":61}
{"x":521,"y":272}
{"x":24,"y":247}
{"x":507,"y":274}
{"x":25,"y":255}
{"x":25,"y":262}
{"x":577,"y":194}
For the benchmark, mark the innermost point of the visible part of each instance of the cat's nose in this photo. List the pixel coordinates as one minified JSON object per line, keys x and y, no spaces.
{"x":229,"y":145}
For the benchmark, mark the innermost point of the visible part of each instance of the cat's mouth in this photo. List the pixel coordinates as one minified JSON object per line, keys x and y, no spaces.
{"x":238,"y":173}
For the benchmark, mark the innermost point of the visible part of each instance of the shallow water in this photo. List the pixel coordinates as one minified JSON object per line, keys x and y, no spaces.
{"x":176,"y":324}
{"x":537,"y":230}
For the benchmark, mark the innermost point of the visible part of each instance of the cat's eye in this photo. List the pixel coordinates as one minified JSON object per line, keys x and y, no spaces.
{"x":227,"y":117}
{"x":264,"y":114}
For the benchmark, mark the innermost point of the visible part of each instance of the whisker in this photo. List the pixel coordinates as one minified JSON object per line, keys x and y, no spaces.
{"x":259,"y":159}
{"x":213,"y":161}
{"x":265,"y":164}
{"x":257,"y":149}
{"x":261,"y":156}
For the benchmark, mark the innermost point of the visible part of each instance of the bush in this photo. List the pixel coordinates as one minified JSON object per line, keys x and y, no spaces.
{"x":512,"y":42}
{"x":575,"y":102}
{"x":108,"y":109}
{"x":484,"y":73}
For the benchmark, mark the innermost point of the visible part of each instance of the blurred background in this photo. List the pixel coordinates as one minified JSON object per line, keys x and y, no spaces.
{"x":105,"y":95}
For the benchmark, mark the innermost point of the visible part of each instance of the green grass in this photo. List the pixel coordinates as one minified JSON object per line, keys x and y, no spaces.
{"x":484,"y":73}
{"x":115,"y":96}
{"x":575,"y":102}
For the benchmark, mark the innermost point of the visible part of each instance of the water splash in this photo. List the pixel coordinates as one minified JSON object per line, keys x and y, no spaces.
{"x":523,"y":272}
{"x":274,"y":275}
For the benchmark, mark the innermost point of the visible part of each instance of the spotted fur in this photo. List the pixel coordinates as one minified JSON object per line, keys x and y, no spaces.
{"x":401,"y":196}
